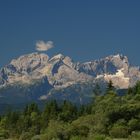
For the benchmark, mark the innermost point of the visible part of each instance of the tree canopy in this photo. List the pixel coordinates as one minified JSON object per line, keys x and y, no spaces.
{"x":109,"y":116}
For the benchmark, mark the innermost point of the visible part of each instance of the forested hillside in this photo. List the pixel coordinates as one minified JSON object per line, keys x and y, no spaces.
{"x":108,"y":116}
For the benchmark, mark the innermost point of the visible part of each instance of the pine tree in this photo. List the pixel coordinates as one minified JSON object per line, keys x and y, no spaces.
{"x":110,"y":87}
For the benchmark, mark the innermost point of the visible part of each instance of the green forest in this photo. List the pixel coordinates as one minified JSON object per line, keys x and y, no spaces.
{"x":107,"y":117}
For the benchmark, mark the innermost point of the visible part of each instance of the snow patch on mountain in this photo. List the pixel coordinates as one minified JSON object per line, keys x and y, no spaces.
{"x":61,"y":71}
{"x":119,"y":80}
{"x":36,"y":76}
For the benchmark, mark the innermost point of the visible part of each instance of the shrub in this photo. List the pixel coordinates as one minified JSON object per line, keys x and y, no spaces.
{"x":78,"y":138}
{"x":4,"y":134}
{"x":119,"y":132}
{"x":97,"y":137}
{"x":135,"y":135}
{"x":25,"y":136}
{"x":37,"y":137}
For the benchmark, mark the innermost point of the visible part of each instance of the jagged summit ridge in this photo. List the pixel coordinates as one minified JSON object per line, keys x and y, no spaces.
{"x":30,"y":61}
{"x":58,"y":69}
{"x":62,"y":71}
{"x":108,"y":65}
{"x":35,"y":76}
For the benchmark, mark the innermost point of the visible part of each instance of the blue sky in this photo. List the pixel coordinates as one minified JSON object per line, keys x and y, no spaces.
{"x":82,"y":29}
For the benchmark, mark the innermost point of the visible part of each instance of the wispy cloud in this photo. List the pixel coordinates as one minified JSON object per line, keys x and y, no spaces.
{"x":44,"y":46}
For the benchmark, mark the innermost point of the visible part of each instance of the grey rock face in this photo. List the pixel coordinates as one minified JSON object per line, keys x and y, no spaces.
{"x":108,"y":65}
{"x":63,"y":74}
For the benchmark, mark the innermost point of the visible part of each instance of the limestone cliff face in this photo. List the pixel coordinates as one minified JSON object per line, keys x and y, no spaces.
{"x":60,"y":73}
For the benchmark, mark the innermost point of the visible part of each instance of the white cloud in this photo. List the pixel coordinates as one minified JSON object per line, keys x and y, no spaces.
{"x":44,"y":46}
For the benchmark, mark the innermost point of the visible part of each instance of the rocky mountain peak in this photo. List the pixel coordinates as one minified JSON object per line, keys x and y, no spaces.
{"x":61,"y":59}
{"x":108,"y":65}
{"x":30,"y":62}
{"x":63,"y":75}
{"x":118,"y":58}
{"x":62,"y":68}
{"x":58,"y":57}
{"x":30,"y":58}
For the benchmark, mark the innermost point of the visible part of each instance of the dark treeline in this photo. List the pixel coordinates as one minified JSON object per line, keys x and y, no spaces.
{"x":109,"y":116}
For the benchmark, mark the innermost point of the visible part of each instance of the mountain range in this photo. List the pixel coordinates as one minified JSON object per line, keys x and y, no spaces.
{"x":36,"y":77}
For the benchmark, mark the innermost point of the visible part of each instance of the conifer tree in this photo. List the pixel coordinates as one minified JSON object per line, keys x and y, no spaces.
{"x":110,"y":88}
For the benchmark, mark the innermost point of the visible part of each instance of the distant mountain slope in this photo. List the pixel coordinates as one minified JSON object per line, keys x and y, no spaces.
{"x":35,"y":76}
